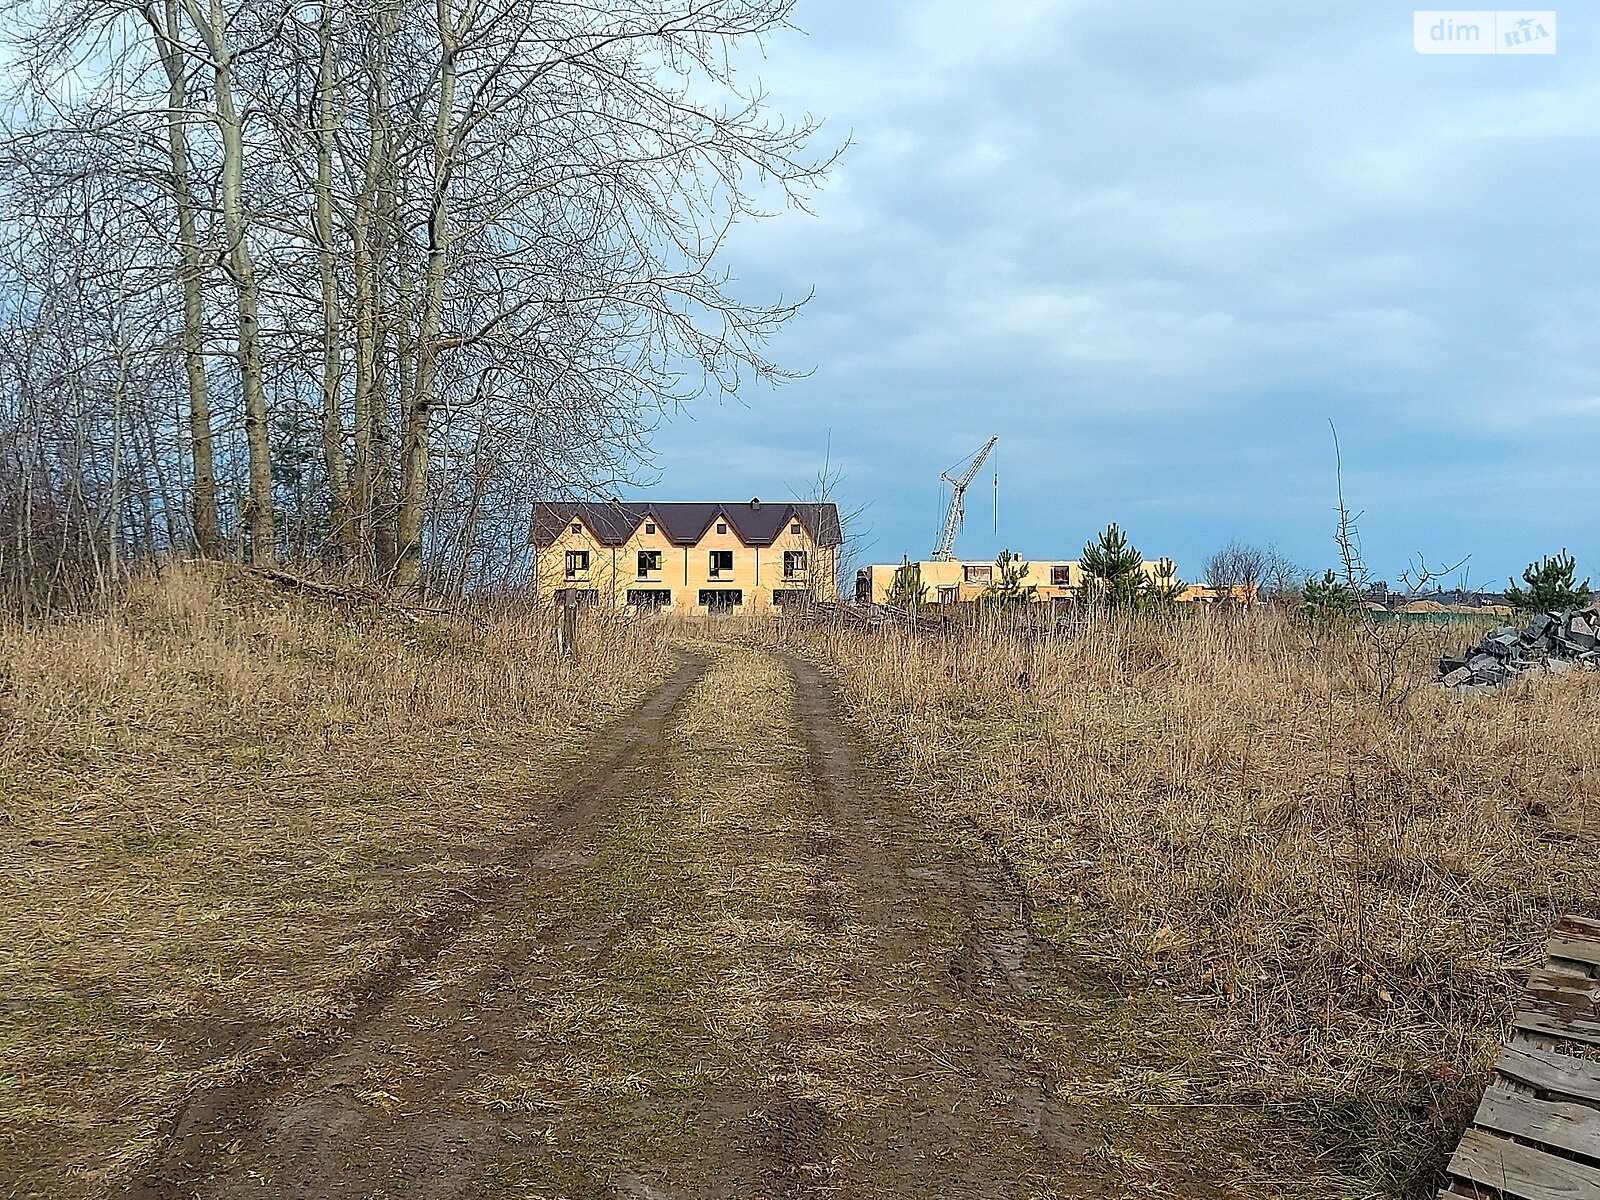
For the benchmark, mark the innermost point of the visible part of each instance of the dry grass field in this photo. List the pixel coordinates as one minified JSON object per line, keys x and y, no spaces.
{"x":222,"y":808}
{"x":320,"y":899}
{"x":1316,"y":904}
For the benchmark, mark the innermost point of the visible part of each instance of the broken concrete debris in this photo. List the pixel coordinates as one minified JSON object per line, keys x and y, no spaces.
{"x":1551,"y":643}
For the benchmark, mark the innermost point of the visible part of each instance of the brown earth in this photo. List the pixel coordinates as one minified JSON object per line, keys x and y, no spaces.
{"x":729,"y":965}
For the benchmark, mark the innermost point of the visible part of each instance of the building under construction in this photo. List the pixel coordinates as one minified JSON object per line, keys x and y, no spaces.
{"x":950,"y":581}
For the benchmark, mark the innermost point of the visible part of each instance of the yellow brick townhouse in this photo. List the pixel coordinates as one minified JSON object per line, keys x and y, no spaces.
{"x":694,"y":557}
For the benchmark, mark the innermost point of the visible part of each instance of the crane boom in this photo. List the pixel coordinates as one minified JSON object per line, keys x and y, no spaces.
{"x":944,"y":551}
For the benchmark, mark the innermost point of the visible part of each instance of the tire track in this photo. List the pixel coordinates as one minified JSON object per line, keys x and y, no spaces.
{"x":215,"y":1122}
{"x":876,"y":856}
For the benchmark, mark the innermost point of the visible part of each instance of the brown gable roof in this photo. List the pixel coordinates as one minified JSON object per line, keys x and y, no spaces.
{"x":757,"y":524}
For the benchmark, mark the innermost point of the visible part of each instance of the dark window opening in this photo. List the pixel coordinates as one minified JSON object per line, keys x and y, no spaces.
{"x":794,"y":563}
{"x":649,"y":526}
{"x":721,"y":562}
{"x":721,"y":599}
{"x":577,"y":563}
{"x":795,"y":528}
{"x":1061,"y":576}
{"x":576,"y":528}
{"x":650,"y":598}
{"x":949,"y":595}
{"x":983,"y":574}
{"x":722,"y":527}
{"x":649,"y":560}
{"x":790,"y":597}
{"x":864,"y":586}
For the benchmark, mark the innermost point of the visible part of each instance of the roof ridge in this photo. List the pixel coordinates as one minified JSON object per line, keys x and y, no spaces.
{"x":685,"y":522}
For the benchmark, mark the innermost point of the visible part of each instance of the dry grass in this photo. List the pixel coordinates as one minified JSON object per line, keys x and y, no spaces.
{"x":220,"y":805}
{"x":1321,"y":904}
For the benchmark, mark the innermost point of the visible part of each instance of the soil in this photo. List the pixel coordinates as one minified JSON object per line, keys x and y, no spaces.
{"x":731,"y":963}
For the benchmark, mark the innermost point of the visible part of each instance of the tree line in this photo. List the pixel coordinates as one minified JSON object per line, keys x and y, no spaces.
{"x":354,"y":285}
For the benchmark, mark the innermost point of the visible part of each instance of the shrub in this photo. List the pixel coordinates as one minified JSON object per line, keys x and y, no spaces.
{"x":1008,"y":590}
{"x":907,"y":591}
{"x":1550,"y":586}
{"x":1113,"y":571}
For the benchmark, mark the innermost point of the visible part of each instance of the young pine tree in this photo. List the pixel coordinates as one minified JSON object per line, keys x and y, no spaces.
{"x":1163,"y":588}
{"x":1113,"y":571}
{"x":1329,"y":596}
{"x":907,"y":591}
{"x":1550,"y":586}
{"x":1008,"y":590}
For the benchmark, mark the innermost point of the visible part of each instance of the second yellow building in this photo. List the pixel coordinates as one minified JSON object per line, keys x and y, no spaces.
{"x":960,"y":582}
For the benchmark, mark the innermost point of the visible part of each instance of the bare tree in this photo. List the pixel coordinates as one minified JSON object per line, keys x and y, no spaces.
{"x":402,"y":267}
{"x":825,"y":488}
{"x":1391,"y":643}
{"x":1237,"y":571}
{"x":217,"y":31}
{"x":1282,"y":576}
{"x":166,"y":30}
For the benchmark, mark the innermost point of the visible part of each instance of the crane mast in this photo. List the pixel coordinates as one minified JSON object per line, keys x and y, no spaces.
{"x":944,"y":551}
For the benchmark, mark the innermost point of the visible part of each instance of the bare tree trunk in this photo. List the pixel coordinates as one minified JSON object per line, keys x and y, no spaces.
{"x":119,"y":404}
{"x":332,"y":326}
{"x":366,"y":371}
{"x":213,"y":29}
{"x":418,"y":409}
{"x":380,"y":435}
{"x":471,"y":523}
{"x":393,"y":360}
{"x":158,"y":488}
{"x":371,"y":245}
{"x":203,"y":499}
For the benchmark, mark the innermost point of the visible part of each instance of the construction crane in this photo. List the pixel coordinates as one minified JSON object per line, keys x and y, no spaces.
{"x":945,"y":550}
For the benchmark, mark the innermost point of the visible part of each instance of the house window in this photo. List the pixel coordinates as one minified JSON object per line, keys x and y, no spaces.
{"x":790,"y":597}
{"x":577,"y":563}
{"x":576,"y":528}
{"x":722,"y":527}
{"x":949,"y":595}
{"x":650,"y":598}
{"x":983,"y":574}
{"x":795,"y":528}
{"x":649,"y":526}
{"x":794,"y":563}
{"x":649,"y":560}
{"x":721,"y":562}
{"x":715,"y":600}
{"x":1061,"y":576}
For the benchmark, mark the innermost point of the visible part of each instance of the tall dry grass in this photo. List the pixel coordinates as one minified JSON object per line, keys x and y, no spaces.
{"x":221,"y":803}
{"x":1322,"y":902}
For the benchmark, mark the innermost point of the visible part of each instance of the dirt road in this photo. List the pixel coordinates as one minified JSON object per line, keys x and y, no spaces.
{"x":729,"y":965}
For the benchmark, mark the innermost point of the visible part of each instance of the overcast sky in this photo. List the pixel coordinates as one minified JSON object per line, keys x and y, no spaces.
{"x":1156,"y":248}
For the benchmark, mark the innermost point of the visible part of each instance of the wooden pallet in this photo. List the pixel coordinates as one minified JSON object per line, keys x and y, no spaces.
{"x":1536,"y":1136}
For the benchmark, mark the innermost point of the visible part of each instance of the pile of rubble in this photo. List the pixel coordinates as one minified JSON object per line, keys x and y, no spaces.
{"x":864,"y":616}
{"x":1552,"y":642}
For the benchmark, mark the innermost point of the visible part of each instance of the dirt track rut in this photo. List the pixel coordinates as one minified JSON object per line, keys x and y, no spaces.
{"x":729,"y":965}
